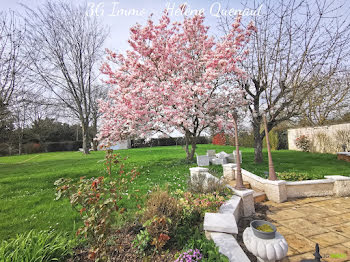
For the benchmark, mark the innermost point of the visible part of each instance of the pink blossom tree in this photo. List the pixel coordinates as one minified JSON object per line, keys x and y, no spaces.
{"x":174,"y":77}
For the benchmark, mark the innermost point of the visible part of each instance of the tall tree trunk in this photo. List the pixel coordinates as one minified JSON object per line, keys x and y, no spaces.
{"x":85,"y":131}
{"x":239,"y":178}
{"x":193,"y":148}
{"x":272,"y":173}
{"x":20,"y":141}
{"x":190,"y":140}
{"x":20,"y":148}
{"x":94,"y":132}
{"x":258,"y":143}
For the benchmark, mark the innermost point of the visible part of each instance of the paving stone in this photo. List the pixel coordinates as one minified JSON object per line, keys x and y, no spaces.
{"x":314,"y":210}
{"x":303,"y":227}
{"x":330,"y":221}
{"x":342,"y":229}
{"x":347,"y":244}
{"x":300,"y":243}
{"x":292,"y":251}
{"x":298,"y":258}
{"x":329,"y":239}
{"x":315,"y":219}
{"x":325,"y":220}
{"x":218,"y":222}
{"x":284,"y":230}
{"x":285,"y":214}
{"x":229,"y":247}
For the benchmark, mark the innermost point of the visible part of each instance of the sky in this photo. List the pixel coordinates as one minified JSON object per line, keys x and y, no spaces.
{"x":120,"y":15}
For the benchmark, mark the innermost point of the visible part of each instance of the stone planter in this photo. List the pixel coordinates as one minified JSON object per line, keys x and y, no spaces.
{"x":261,"y":234}
{"x":266,"y":250}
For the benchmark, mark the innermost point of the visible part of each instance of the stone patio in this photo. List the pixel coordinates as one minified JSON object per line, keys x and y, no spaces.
{"x":305,"y":222}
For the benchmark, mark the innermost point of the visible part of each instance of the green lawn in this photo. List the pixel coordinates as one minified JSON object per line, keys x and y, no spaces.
{"x":27,"y":190}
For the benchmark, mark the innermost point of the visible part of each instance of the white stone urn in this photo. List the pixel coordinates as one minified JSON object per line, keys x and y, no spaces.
{"x":267,"y":250}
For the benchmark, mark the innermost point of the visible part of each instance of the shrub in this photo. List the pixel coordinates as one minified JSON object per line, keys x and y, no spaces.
{"x":63,"y":146}
{"x":209,"y":202}
{"x":31,"y":148}
{"x":292,"y":176}
{"x":165,"y":141}
{"x":142,"y":241}
{"x":302,"y":142}
{"x":162,"y":212}
{"x":37,"y":246}
{"x":97,"y":200}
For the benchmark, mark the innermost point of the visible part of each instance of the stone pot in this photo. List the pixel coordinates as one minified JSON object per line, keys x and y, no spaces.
{"x":261,"y":234}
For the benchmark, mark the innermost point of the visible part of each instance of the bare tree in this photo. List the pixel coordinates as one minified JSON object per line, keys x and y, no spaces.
{"x":296,"y":43}
{"x":12,"y":61}
{"x":328,"y":101}
{"x":65,"y":46}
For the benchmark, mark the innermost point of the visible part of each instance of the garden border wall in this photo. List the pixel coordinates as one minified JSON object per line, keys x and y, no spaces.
{"x":281,"y":190}
{"x":324,"y":139}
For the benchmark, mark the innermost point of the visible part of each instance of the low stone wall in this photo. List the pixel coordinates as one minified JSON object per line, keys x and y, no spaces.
{"x":310,"y":188}
{"x":281,"y":190}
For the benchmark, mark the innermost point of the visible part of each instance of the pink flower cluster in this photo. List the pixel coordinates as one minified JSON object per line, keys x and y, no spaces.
{"x":190,"y":256}
{"x":174,"y":77}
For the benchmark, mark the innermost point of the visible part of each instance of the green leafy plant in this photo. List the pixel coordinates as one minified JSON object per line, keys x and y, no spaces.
{"x":97,"y":200}
{"x":292,"y":176}
{"x":208,"y":202}
{"x":142,"y":241}
{"x":36,"y":247}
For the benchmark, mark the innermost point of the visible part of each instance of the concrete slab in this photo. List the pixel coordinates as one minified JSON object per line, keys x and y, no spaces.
{"x":229,"y":247}
{"x":217,"y":222}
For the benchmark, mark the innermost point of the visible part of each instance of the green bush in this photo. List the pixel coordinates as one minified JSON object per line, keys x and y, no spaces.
{"x":36,"y":247}
{"x":142,"y":241}
{"x":292,"y":176}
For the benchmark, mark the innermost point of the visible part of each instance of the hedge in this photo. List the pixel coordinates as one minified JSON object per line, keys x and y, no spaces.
{"x":169,"y":141}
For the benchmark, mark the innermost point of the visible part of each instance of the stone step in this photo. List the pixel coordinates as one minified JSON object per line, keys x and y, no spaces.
{"x":233,"y":184}
{"x":259,"y":196}
{"x":218,"y":222}
{"x":229,"y":246}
